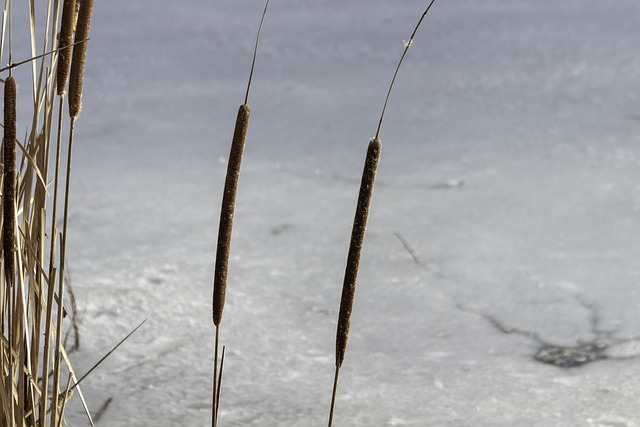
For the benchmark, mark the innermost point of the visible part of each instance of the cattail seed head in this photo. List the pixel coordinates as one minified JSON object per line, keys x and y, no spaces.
{"x":9,"y":179}
{"x":227,"y":211}
{"x":78,"y":57}
{"x":355,"y":248}
{"x":66,"y":39}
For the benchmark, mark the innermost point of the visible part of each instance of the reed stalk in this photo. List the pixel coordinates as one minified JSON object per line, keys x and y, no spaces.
{"x":62,"y":75}
{"x":32,"y":301}
{"x":76,"y":76}
{"x":226,"y":224}
{"x":358,"y":231}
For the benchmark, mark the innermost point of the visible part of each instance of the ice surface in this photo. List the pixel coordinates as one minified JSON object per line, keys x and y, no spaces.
{"x":508,"y":189}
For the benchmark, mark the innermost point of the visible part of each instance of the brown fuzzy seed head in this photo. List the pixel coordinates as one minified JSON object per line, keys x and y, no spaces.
{"x":355,"y":248}
{"x":9,"y":179}
{"x":78,"y":57}
{"x":227,"y":211}
{"x":66,"y":39}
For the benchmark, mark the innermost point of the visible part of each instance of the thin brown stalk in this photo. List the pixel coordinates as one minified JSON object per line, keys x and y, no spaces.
{"x":395,"y":74}
{"x":33,"y":58}
{"x":215,"y":386}
{"x":63,"y":253}
{"x":220,"y":376}
{"x":9,"y":180}
{"x":52,"y":271}
{"x":333,"y":394}
{"x":109,"y":353}
{"x":255,"y":52}
{"x":75,"y":101}
{"x":78,"y":57}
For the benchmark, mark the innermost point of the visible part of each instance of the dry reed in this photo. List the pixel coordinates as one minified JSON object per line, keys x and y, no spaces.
{"x":358,"y":232}
{"x":67,"y":26}
{"x":75,"y":102}
{"x":32,"y":311}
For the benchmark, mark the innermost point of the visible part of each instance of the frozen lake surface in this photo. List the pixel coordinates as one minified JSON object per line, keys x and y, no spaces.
{"x":504,"y":228}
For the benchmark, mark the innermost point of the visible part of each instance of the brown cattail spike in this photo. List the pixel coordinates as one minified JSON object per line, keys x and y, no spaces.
{"x":78,"y":58}
{"x":66,"y":38}
{"x":9,"y":184}
{"x":226,"y":214}
{"x":355,"y":247}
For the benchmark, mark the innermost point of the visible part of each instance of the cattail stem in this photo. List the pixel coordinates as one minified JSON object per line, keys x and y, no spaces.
{"x":78,"y":58}
{"x":395,"y":74}
{"x":63,"y":253}
{"x":224,"y":349}
{"x":214,"y":401}
{"x":52,"y":271}
{"x":255,"y":52}
{"x":333,"y":395}
{"x":9,"y":183}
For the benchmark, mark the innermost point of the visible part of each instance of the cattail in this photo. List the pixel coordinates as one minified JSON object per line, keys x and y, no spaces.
{"x":9,"y":185}
{"x":353,"y":260}
{"x":359,"y":226}
{"x":226,"y":224}
{"x":78,"y":58}
{"x":355,"y":247}
{"x":66,"y":38}
{"x":227,"y":211}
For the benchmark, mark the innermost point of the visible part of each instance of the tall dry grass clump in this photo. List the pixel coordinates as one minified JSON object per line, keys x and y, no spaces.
{"x":358,"y":231}
{"x":36,"y":376}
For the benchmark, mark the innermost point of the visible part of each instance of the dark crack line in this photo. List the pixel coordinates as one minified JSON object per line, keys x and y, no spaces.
{"x":567,"y":356}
